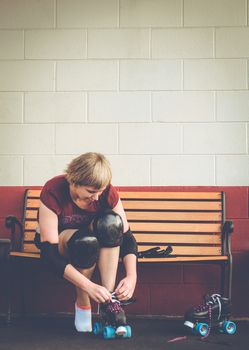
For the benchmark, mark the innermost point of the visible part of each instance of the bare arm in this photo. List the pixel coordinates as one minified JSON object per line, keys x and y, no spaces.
{"x":48,"y":222}
{"x":119,"y":209}
{"x":126,"y":287}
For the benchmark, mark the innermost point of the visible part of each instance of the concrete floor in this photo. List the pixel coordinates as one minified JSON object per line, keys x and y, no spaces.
{"x":58,"y":333}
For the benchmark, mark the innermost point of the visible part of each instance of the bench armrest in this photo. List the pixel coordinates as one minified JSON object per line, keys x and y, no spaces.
{"x":227,"y":230}
{"x":11,"y":222}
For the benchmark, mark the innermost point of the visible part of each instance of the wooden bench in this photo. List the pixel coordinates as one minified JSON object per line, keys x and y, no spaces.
{"x":193,"y":223}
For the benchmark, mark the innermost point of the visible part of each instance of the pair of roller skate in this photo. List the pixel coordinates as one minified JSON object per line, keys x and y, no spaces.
{"x":113,"y":322}
{"x":214,"y":313}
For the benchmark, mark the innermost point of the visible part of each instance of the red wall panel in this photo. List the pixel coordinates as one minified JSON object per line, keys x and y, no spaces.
{"x":161,"y":289}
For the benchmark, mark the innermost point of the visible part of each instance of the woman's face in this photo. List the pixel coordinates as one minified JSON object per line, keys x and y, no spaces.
{"x":84,"y":195}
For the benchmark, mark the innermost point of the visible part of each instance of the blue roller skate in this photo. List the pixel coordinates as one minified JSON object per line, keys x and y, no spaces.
{"x":213,"y":313}
{"x":113,"y":321}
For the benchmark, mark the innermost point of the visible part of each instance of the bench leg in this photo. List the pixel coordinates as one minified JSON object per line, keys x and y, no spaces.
{"x":23,"y":283}
{"x":230,"y":277}
{"x":226,"y":279}
{"x":223,"y":279}
{"x":9,"y":292}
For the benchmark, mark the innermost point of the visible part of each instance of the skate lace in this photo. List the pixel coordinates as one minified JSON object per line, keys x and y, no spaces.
{"x":213,"y":299}
{"x":114,"y":305}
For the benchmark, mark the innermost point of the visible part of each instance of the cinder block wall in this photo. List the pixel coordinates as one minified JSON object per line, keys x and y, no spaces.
{"x":159,"y":86}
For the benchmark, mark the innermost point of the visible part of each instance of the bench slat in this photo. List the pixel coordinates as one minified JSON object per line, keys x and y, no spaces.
{"x":30,"y":225}
{"x":173,"y":216}
{"x":171,"y":205}
{"x":145,"y":260}
{"x":30,"y":248}
{"x":32,"y":214}
{"x":174,"y":227}
{"x":157,"y":227}
{"x":26,"y":255}
{"x":34,"y":193}
{"x":28,"y":236}
{"x":185,"y":250}
{"x":160,"y":238}
{"x":33,"y":203}
{"x":177,"y":238}
{"x":178,"y":250}
{"x":170,"y":195}
{"x":183,"y":259}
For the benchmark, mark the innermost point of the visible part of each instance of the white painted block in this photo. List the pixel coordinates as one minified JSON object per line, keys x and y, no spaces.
{"x":232,"y":42}
{"x":81,"y":138}
{"x":214,"y":13}
{"x":26,"y":75}
{"x":150,"y":75}
{"x":87,"y":13}
{"x":87,"y":75}
{"x":11,"y":171}
{"x":118,"y":43}
{"x":119,"y":106}
{"x":27,"y":13}
{"x":232,"y":170}
{"x":130,"y":170}
{"x":11,"y":44}
{"x":10,"y":107}
{"x":183,"y":170}
{"x":55,"y":107}
{"x":26,"y":139}
{"x":232,"y":106}
{"x":147,"y":13}
{"x":182,"y":43}
{"x":211,"y":74}
{"x":183,"y":106}
{"x":55,"y":44}
{"x":39,"y":169}
{"x":150,"y":138}
{"x":215,"y":138}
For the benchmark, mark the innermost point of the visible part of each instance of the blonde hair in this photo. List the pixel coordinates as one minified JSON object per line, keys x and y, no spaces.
{"x":89,"y":169}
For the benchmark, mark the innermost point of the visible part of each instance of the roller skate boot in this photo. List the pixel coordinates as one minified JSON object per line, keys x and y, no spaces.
{"x":213,"y":313}
{"x":113,"y":320}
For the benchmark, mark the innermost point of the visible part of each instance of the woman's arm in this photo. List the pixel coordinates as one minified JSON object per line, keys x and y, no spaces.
{"x":119,"y":209}
{"x":127,"y":285}
{"x":48,"y":223}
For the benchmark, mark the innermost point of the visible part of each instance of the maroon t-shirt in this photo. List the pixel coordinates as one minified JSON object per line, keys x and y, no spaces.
{"x":56,"y":196}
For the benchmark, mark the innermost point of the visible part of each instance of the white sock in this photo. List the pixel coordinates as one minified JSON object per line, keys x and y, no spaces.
{"x":83,"y":318}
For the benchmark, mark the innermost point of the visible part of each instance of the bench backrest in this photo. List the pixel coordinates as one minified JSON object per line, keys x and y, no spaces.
{"x":191,"y":222}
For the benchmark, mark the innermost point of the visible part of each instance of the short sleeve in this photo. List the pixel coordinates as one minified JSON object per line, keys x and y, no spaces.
{"x":49,"y":199}
{"x":110,"y":197}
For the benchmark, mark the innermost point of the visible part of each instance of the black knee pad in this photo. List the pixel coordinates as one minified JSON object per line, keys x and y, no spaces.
{"x":129,"y":245}
{"x":108,"y":228}
{"x":83,"y":249}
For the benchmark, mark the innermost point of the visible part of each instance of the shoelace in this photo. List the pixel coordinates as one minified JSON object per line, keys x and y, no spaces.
{"x":214,"y":298}
{"x":114,"y":306}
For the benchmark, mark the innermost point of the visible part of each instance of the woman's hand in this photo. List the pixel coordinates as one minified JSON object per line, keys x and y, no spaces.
{"x":125,"y":288}
{"x":98,"y":293}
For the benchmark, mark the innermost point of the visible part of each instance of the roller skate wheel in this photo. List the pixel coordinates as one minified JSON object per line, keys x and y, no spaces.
{"x":109,"y":332}
{"x":121,"y":331}
{"x":229,"y":327}
{"x":97,"y":328}
{"x":128,"y":331}
{"x":201,"y":329}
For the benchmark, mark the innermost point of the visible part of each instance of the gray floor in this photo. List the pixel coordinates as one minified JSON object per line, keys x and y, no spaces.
{"x":57,"y":333}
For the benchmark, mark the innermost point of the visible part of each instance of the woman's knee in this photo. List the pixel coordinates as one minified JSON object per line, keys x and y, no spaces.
{"x":83,"y":249}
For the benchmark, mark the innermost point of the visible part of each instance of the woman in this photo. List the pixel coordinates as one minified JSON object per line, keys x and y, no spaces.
{"x":82,"y":224}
